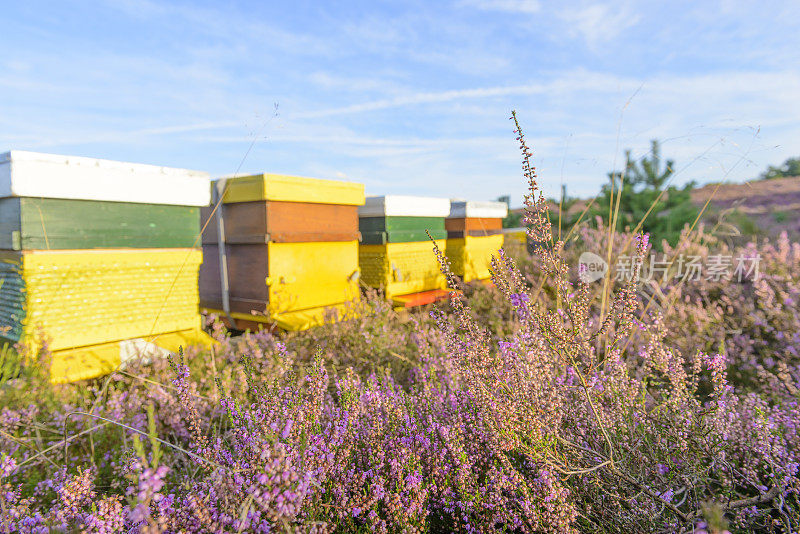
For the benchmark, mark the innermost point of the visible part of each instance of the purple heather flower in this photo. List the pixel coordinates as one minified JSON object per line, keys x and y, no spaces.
{"x":506,"y":346}
{"x":7,"y":466}
{"x":287,"y":430}
{"x":519,"y":299}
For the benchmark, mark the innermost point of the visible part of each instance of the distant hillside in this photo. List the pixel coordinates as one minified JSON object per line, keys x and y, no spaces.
{"x":765,"y":207}
{"x":755,"y":196}
{"x":772,"y":205}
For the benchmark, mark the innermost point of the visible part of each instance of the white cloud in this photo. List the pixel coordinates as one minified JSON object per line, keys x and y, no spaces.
{"x":599,"y":23}
{"x":510,"y":6}
{"x":414,"y":99}
{"x":691,"y":114}
{"x":181,"y":128}
{"x":227,"y":25}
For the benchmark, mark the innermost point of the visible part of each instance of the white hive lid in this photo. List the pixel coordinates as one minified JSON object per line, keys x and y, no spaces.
{"x":484,"y":209}
{"x":32,"y":174}
{"x":404,"y":206}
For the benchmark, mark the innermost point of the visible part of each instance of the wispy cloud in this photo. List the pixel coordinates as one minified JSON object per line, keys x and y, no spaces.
{"x":599,"y":23}
{"x":423,"y":98}
{"x":510,"y":6}
{"x":182,"y":128}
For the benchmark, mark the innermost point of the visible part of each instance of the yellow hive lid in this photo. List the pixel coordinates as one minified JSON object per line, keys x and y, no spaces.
{"x":292,"y":189}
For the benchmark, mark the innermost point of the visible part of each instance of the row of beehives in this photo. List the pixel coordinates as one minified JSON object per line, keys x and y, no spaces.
{"x":100,"y":259}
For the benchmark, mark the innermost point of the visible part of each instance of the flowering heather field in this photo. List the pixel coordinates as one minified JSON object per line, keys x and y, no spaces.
{"x":537,"y":405}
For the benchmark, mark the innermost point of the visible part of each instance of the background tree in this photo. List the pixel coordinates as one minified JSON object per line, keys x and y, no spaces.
{"x":790,"y":167}
{"x":642,"y":182}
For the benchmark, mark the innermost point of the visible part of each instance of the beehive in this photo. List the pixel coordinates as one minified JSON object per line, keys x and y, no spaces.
{"x":290,"y":249}
{"x":80,"y":298}
{"x":99,"y":259}
{"x":396,"y":253}
{"x":474,"y":235}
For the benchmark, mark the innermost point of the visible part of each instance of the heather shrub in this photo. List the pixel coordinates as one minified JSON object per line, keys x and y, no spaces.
{"x":642,"y":446}
{"x":377,"y":339}
{"x":754,"y":321}
{"x":542,"y":404}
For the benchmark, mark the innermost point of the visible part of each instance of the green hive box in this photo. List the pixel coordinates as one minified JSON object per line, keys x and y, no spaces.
{"x":381,"y":230}
{"x":57,"y":224}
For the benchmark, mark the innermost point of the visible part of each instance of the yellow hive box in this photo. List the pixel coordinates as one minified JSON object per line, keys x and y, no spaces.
{"x":282,"y":282}
{"x":311,"y":275}
{"x":91,"y":297}
{"x":401,"y":268}
{"x":470,"y":257}
{"x":89,"y":362}
{"x":279,"y":187}
{"x":516,"y":235}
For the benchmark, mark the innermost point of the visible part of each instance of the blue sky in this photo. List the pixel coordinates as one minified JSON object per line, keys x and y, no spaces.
{"x":407,"y":97}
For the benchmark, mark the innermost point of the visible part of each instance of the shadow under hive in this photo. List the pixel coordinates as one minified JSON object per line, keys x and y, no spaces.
{"x":290,"y":250}
{"x":474,"y":235}
{"x":396,"y":253}
{"x":98,"y":279}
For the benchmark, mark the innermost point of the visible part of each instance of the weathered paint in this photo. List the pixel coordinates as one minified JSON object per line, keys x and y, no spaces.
{"x":309,"y":275}
{"x":96,"y":360}
{"x":262,"y":221}
{"x":276,"y":278}
{"x":381,"y":230}
{"x":63,"y":224}
{"x":472,"y":223}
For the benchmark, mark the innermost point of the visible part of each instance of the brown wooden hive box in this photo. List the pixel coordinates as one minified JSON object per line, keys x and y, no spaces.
{"x":280,"y":277}
{"x":247,"y":270}
{"x":472,"y":223}
{"x":473,"y":227}
{"x":261,"y":222}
